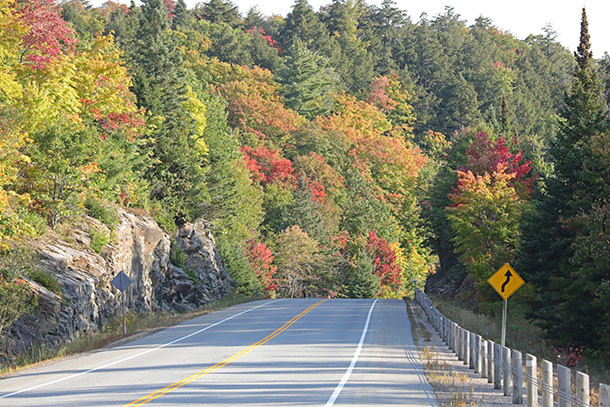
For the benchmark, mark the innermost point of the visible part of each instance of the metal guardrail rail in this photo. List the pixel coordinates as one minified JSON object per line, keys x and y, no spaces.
{"x":504,"y":367}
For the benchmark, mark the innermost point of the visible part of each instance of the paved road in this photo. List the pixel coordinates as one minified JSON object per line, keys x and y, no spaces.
{"x":266,"y":353}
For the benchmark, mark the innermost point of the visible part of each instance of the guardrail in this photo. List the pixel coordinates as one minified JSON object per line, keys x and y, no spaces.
{"x":504,"y":367}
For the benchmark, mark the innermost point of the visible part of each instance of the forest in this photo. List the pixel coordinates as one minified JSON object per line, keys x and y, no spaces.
{"x":347,"y":152}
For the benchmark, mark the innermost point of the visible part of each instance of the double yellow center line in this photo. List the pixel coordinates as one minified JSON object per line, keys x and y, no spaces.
{"x":240,"y":354}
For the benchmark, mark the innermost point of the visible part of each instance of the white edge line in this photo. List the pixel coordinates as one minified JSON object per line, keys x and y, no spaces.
{"x":133,"y":356}
{"x":348,"y":372}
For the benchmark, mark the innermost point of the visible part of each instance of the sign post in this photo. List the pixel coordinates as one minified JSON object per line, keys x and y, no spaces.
{"x":506,"y":282}
{"x":122,"y":281}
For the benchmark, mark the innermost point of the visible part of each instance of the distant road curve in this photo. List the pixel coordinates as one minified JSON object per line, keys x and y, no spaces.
{"x":301,"y":352}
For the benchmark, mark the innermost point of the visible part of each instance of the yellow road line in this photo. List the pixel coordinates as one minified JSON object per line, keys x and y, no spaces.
{"x":243,"y":352}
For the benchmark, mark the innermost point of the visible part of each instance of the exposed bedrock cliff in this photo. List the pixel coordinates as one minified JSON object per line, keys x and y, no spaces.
{"x":88,"y":301}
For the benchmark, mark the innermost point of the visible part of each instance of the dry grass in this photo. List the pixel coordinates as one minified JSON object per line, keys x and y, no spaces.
{"x":138,"y":325}
{"x":520,"y":334}
{"x":439,"y":373}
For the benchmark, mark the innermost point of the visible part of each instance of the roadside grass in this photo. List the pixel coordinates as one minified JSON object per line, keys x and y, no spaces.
{"x":440,"y":375}
{"x":138,"y":325}
{"x":521,"y":334}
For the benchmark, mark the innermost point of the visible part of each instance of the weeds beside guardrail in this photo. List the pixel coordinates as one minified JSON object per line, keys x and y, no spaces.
{"x":503,"y":367}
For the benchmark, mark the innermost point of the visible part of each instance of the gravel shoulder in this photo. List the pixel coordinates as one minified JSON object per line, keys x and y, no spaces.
{"x":454,"y":384}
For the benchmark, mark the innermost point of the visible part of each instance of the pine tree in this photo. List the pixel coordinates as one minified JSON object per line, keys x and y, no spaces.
{"x":160,"y":84}
{"x":235,"y":206}
{"x":385,"y":33}
{"x":547,"y":257}
{"x":182,"y":16}
{"x":361,"y":281}
{"x":303,"y":23}
{"x":307,"y":81}
{"x":220,"y":11}
{"x":349,"y":55}
{"x":254,"y":18}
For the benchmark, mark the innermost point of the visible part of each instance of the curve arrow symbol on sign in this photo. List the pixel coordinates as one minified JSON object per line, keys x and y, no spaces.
{"x":508,"y":275}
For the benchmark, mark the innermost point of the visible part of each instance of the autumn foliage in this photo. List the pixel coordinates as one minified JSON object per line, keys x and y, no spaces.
{"x":48,"y":36}
{"x":261,"y":261}
{"x":385,"y":262}
{"x":486,"y":156}
{"x":267,"y":166}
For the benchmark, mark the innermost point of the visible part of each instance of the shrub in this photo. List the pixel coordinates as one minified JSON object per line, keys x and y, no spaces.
{"x":99,"y":239}
{"x":192,"y":275}
{"x":46,"y":279}
{"x":96,"y":209}
{"x":177,"y":256}
{"x":16,"y":296}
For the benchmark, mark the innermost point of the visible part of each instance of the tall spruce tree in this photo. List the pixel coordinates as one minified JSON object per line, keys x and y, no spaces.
{"x":349,"y":55}
{"x":307,"y":81}
{"x":303,"y":23}
{"x":548,"y":239}
{"x":177,"y":172}
{"x":220,"y":11}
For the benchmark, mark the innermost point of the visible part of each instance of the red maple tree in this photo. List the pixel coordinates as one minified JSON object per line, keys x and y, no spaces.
{"x":267,"y":166}
{"x":484,"y":155}
{"x":261,"y":258}
{"x":384,"y":259}
{"x":48,"y":35}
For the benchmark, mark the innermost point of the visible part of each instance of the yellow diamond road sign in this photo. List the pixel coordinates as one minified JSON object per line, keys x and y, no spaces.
{"x":505,"y":281}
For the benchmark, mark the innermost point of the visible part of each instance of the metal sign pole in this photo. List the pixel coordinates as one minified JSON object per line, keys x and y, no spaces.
{"x":124,"y":323}
{"x":504,"y":309}
{"x":122,"y":282}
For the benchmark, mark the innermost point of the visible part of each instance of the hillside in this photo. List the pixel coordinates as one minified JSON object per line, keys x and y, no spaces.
{"x":348,"y":152}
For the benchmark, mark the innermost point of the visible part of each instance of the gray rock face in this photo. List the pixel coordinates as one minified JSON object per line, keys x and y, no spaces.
{"x":88,"y":300}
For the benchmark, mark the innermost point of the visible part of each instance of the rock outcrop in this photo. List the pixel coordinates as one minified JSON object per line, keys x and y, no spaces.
{"x":88,"y":301}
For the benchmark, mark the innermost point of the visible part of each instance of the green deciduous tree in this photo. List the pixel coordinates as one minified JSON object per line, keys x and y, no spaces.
{"x":298,"y":260}
{"x":485,"y":218}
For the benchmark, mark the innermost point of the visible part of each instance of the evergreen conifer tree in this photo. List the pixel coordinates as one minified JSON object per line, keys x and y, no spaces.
{"x":303,"y":23}
{"x":220,"y":11}
{"x":159,"y":83}
{"x":548,"y":239}
{"x":307,"y":81}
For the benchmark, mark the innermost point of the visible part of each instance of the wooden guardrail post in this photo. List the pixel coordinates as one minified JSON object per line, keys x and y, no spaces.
{"x":466,"y":347}
{"x":582,"y":389}
{"x":458,"y":340}
{"x":454,"y":333}
{"x":547,"y":383}
{"x":517,"y":370}
{"x":449,"y":331}
{"x":471,"y":339}
{"x":490,"y":361}
{"x":532,"y":380}
{"x":604,"y":395}
{"x":506,"y":376}
{"x":478,"y":361}
{"x":484,"y":361}
{"x":497,"y":366}
{"x":453,"y":338}
{"x":564,"y":391}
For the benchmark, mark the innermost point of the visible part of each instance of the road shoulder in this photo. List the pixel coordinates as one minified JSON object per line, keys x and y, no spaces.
{"x":453,"y":382}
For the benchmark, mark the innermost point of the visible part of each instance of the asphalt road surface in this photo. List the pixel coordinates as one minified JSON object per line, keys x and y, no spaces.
{"x":305,"y":352}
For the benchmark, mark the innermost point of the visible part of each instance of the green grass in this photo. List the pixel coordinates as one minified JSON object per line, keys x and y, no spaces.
{"x":142,"y":324}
